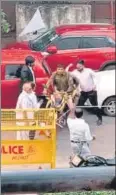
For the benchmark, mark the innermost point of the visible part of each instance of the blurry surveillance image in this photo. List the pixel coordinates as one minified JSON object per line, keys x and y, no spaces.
{"x":58,"y":96}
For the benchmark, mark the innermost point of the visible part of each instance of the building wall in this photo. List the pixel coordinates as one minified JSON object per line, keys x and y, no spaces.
{"x":52,"y":15}
{"x":102,"y":12}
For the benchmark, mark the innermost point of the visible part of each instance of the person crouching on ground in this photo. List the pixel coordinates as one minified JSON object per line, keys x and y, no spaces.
{"x":26,"y":100}
{"x":80,"y":135}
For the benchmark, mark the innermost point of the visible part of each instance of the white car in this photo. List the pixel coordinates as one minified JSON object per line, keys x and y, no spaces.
{"x":106,"y":92}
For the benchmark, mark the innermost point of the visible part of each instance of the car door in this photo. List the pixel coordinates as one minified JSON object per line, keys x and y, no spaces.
{"x":10,"y":86}
{"x":67,"y":51}
{"x":94,"y":51}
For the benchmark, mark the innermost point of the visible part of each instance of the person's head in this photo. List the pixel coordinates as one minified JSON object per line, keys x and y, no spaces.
{"x":78,"y":113}
{"x":60,"y":69}
{"x":27,"y":87}
{"x":29,"y":61}
{"x":80,"y":65}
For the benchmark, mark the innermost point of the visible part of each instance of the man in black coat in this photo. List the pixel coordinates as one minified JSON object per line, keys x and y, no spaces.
{"x":27,"y":73}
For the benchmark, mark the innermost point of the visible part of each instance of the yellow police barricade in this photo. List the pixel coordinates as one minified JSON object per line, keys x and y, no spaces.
{"x":18,"y":152}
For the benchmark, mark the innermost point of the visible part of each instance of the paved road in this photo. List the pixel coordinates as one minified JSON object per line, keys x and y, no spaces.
{"x":104,"y":145}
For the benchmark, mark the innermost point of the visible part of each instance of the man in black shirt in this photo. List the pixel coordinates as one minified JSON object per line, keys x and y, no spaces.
{"x":27,"y":73}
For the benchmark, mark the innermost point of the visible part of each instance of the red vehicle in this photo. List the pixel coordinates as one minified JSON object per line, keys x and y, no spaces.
{"x":58,"y":30}
{"x":11,"y":61}
{"x":96,"y":47}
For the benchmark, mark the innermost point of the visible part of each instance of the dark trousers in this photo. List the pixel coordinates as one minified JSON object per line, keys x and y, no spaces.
{"x":32,"y":134}
{"x":92,"y":96}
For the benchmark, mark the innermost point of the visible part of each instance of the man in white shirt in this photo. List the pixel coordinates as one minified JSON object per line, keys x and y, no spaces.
{"x":87,"y":80}
{"x":80,"y":134}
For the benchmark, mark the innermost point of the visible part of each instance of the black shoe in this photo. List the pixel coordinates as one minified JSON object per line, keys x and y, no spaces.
{"x":99,"y":122}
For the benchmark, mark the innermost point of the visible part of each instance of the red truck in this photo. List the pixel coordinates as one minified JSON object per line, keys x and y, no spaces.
{"x":12,"y":60}
{"x":95,"y":43}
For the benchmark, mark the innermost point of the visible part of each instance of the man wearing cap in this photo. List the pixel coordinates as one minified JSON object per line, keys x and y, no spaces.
{"x":87,"y":80}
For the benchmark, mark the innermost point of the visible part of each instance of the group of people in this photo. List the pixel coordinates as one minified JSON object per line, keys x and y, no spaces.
{"x":83,"y":80}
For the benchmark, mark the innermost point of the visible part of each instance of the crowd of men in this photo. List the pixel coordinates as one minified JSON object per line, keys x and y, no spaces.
{"x":83,"y":80}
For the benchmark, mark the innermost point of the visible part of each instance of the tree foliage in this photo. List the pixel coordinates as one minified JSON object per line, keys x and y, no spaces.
{"x":5,"y":26}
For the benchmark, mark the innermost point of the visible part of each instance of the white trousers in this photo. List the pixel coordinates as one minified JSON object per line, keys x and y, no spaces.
{"x":22,"y":135}
{"x":81,"y":149}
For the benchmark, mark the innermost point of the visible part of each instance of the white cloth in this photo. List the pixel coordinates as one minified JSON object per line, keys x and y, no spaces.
{"x":81,"y":149}
{"x":79,"y":130}
{"x":35,"y":24}
{"x":87,"y":79}
{"x":25,"y":101}
{"x":32,"y":74}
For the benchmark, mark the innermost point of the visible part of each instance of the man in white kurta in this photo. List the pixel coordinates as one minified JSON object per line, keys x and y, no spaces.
{"x":26,"y":100}
{"x":80,"y":135}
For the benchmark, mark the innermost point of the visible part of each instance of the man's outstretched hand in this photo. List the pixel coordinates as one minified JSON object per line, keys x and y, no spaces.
{"x":68,"y":67}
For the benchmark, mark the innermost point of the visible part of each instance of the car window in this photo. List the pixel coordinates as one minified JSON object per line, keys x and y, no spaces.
{"x":67,"y":43}
{"x":94,"y":42}
{"x":12,"y":71}
{"x":41,"y":42}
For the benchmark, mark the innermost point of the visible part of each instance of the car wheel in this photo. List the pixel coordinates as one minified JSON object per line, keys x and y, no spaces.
{"x":110,"y":104}
{"x":110,"y":67}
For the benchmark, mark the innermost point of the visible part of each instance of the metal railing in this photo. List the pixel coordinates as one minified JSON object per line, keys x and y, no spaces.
{"x":25,"y":151}
{"x":41,"y":181}
{"x":24,"y":119}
